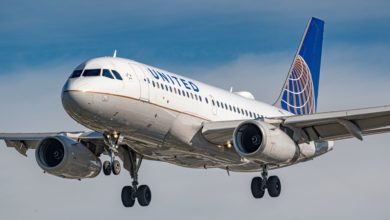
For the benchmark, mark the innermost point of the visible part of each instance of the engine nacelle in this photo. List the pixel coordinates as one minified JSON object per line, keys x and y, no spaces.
{"x":64,"y":157}
{"x":263,"y":142}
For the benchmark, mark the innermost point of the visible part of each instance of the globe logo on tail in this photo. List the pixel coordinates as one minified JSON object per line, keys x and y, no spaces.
{"x":298,"y":95}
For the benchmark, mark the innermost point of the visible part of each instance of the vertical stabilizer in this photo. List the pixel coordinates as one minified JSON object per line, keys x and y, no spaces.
{"x":300,"y":91}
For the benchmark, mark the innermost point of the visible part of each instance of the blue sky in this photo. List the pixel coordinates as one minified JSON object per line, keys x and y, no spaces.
{"x":246,"y":44}
{"x":207,"y":33}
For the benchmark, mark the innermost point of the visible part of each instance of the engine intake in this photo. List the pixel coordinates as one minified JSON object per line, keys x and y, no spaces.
{"x":264,"y":142}
{"x":249,"y":138}
{"x":64,"y":157}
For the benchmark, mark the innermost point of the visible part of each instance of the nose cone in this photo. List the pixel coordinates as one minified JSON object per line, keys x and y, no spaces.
{"x":76,"y":101}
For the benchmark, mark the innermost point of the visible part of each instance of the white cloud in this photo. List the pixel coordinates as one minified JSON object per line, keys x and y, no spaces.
{"x":350,"y":183}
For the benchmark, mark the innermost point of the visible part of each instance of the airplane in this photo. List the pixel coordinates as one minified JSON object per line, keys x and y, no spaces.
{"x":139,"y":112}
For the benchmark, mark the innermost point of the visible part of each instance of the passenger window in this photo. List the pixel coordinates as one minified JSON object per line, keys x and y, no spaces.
{"x":91,"y":72}
{"x":153,"y":84}
{"x":179,"y":91}
{"x":234,"y":109}
{"x":217,"y":103}
{"x":106,"y":73}
{"x":76,"y":73}
{"x":117,"y":75}
{"x":207,"y":101}
{"x":213,"y":102}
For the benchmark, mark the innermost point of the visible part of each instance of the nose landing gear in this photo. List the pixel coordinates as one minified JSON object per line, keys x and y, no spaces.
{"x":260,"y":184}
{"x":114,"y":166}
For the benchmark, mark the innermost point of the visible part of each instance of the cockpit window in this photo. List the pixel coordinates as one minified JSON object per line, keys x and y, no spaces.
{"x":92,"y":72}
{"x":107,"y":73}
{"x":117,"y":75}
{"x":76,"y":73}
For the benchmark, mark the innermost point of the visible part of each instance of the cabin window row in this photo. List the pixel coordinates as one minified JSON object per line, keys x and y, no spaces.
{"x":199,"y":98}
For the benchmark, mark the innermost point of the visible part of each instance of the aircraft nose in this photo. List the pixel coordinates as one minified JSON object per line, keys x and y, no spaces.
{"x":76,"y":101}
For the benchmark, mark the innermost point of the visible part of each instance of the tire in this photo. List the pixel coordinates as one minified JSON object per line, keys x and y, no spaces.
{"x":257,"y":190}
{"x":128,"y":198}
{"x":274,"y":186}
{"x":107,"y":168}
{"x":144,"y":195}
{"x":116,"y":167}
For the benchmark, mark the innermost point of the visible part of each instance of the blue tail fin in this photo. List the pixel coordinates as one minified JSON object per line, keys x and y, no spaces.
{"x":300,"y":91}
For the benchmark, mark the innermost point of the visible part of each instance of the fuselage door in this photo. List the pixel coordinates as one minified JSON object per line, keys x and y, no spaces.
{"x":143,"y":82}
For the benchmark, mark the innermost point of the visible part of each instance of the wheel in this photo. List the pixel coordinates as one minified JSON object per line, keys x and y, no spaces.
{"x":128,"y":198}
{"x":144,"y":195}
{"x":256,"y":188}
{"x":274,"y":187}
{"x":107,"y":168}
{"x":116,"y":167}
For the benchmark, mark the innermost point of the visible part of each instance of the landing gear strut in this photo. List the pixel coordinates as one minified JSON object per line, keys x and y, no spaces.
{"x":260,"y":184}
{"x":114,"y":166}
{"x":131,"y":193}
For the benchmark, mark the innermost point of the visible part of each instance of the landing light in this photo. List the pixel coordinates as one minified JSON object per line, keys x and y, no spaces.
{"x":229,"y":144}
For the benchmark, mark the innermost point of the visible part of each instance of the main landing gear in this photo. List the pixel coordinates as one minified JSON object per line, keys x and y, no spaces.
{"x":131,"y":193}
{"x":260,"y":184}
{"x":114,"y":166}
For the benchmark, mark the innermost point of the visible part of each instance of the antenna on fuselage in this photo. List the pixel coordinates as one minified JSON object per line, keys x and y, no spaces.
{"x":231,"y":89}
{"x":114,"y":55}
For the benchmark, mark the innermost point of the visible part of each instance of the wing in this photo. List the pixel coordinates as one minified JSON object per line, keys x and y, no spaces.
{"x":340,"y":125}
{"x":315,"y":127}
{"x":94,"y":141}
{"x":24,"y":141}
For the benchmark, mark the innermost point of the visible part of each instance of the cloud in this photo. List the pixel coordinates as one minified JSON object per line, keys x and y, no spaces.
{"x":345,"y":71}
{"x":350,"y":182}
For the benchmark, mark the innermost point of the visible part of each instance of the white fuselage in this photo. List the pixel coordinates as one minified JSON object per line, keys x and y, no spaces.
{"x":160,"y":113}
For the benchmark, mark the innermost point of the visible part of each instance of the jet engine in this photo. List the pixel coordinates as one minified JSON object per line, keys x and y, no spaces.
{"x":264,"y":142}
{"x":64,"y":157}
